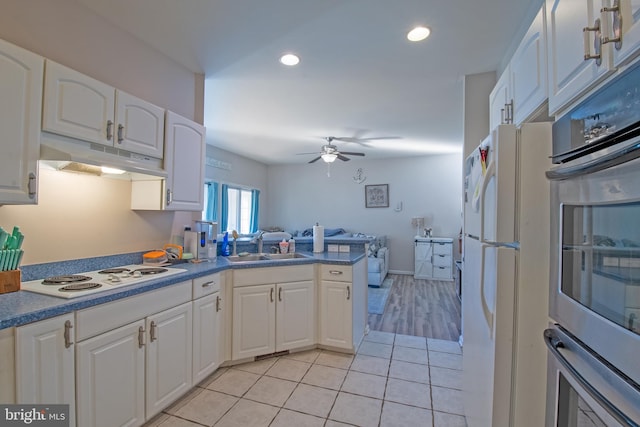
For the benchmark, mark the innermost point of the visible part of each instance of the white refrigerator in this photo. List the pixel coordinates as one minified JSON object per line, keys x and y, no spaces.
{"x":505,"y":277}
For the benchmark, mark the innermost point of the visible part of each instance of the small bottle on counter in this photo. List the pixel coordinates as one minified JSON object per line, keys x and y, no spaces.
{"x":292,"y":245}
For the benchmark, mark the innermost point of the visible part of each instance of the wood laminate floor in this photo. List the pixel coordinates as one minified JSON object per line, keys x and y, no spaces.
{"x":423,"y":308}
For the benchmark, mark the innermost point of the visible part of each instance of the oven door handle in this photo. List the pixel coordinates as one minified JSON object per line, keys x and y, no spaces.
{"x":615,"y":158}
{"x":554,"y":342}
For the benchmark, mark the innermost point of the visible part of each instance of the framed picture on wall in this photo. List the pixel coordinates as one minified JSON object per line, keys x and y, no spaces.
{"x":376,"y":196}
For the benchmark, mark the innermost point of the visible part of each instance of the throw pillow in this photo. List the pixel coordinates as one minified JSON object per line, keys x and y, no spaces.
{"x":373,"y":250}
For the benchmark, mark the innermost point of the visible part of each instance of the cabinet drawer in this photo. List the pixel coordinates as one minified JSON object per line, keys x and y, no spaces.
{"x":206,"y":285}
{"x":338,"y":273}
{"x":442,"y":260}
{"x":440,"y":272}
{"x":442,"y":248}
{"x":260,"y":276}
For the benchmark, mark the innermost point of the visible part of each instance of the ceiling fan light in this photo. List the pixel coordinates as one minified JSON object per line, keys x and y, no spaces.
{"x":290,"y":59}
{"x":418,"y":34}
{"x":329,"y":157}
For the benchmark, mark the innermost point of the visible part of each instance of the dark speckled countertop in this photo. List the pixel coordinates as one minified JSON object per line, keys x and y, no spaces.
{"x":22,"y":307}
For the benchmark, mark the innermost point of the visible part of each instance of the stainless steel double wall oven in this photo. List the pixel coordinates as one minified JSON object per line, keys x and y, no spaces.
{"x":594,"y":343}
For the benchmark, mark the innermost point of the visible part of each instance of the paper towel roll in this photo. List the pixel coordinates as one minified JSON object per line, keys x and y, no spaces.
{"x":318,"y":238}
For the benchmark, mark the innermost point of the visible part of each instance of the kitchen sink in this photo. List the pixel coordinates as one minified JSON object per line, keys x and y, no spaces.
{"x":286,"y":256}
{"x":249,"y":257}
{"x":263,"y":257}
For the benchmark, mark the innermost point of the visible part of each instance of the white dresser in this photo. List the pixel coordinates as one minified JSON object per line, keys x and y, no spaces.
{"x":433,"y":258}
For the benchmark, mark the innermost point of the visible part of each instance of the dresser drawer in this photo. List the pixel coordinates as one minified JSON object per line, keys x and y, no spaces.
{"x":206,"y":285}
{"x":440,"y":248}
{"x":442,"y":260}
{"x":440,"y":272}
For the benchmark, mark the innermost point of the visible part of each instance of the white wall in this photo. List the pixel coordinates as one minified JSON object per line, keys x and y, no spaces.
{"x":477,"y":88}
{"x":429,"y":186}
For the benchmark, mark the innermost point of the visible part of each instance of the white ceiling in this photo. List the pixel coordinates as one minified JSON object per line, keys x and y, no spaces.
{"x":358,"y":75}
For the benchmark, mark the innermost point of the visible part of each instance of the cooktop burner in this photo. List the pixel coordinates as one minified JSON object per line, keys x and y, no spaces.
{"x":116,"y":270}
{"x":79,"y":287}
{"x":151,"y":270}
{"x":63,"y":280}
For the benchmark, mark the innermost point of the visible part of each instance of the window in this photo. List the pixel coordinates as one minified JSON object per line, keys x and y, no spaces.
{"x":239,"y":207}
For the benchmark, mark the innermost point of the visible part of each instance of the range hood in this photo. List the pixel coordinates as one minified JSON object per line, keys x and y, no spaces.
{"x":62,"y":153}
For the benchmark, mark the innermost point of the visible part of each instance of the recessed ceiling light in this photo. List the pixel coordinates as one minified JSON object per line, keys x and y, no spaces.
{"x":289,"y":59}
{"x":418,"y":34}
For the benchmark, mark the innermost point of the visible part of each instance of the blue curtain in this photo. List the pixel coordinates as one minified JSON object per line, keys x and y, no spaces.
{"x":255,"y":207}
{"x":224,"y":212}
{"x":211,"y":210}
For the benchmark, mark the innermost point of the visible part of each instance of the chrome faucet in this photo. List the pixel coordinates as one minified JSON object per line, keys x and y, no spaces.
{"x":258,"y":239}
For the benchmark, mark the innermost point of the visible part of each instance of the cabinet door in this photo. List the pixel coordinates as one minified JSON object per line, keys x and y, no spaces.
{"x":140,"y":125}
{"x":184,"y":162}
{"x":77,"y":106}
{"x":295,"y":315}
{"x":423,"y":260}
{"x":630,"y":17}
{"x":169,"y":357}
{"x":336,"y":314}
{"x":20,"y":105}
{"x":500,"y":101}
{"x":206,"y":336}
{"x":45,"y":363}
{"x":569,"y":73}
{"x":110,"y":378}
{"x":528,"y":70}
{"x":254,"y":320}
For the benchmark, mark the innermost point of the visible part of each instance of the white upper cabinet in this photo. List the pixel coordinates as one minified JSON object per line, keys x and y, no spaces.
{"x":21,"y":74}
{"x":626,"y":12}
{"x":184,"y":163}
{"x":522,"y":88}
{"x":577,"y":59}
{"x":81,"y":107}
{"x":528,"y":71}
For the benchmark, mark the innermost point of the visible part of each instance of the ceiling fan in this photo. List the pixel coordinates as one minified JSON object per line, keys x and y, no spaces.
{"x":329,"y":152}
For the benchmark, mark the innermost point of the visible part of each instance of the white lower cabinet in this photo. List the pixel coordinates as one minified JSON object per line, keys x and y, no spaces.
{"x":45,"y":362}
{"x":270,"y":318}
{"x":110,"y":378}
{"x":207,"y":336}
{"x":127,"y":374}
{"x":335,"y":314}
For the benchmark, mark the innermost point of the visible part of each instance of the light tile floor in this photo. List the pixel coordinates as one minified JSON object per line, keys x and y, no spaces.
{"x":393,"y":380}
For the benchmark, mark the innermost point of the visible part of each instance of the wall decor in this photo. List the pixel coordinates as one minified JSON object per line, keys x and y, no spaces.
{"x":358,"y":178}
{"x":376,"y":196}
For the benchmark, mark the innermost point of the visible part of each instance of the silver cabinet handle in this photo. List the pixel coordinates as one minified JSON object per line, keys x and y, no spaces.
{"x":348,"y":292}
{"x":140,"y":337}
{"x":335,"y":272}
{"x":217,"y":303}
{"x":31,"y":185}
{"x":67,"y":334}
{"x":509,"y":108}
{"x":271,"y":295}
{"x":109,"y":130}
{"x":597,"y":42}
{"x":152,"y":331}
{"x":208,"y":284}
{"x":280,"y":294}
{"x":616,"y":25}
{"x":169,"y":196}
{"x":120,"y":138}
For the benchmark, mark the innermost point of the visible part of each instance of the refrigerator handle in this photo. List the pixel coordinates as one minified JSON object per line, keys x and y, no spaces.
{"x":491,"y":172}
{"x":488,"y":315}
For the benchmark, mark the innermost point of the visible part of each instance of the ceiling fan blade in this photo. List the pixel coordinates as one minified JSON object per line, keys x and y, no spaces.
{"x":315,"y":160}
{"x":351,"y":153}
{"x":343,"y":158}
{"x":355,"y":139}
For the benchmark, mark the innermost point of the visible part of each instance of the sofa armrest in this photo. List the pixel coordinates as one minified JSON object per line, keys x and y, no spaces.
{"x":382,"y":252}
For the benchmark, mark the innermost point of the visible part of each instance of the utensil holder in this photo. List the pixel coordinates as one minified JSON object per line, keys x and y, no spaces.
{"x":9,"y":281}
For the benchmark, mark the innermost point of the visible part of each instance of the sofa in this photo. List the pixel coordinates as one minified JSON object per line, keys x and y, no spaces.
{"x":377,"y":261}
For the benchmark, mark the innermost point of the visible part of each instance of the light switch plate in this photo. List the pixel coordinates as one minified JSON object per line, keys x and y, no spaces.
{"x":333,"y":248}
{"x":344,"y":248}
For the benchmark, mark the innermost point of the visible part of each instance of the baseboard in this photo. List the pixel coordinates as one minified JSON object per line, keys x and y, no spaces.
{"x":407,"y":273}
